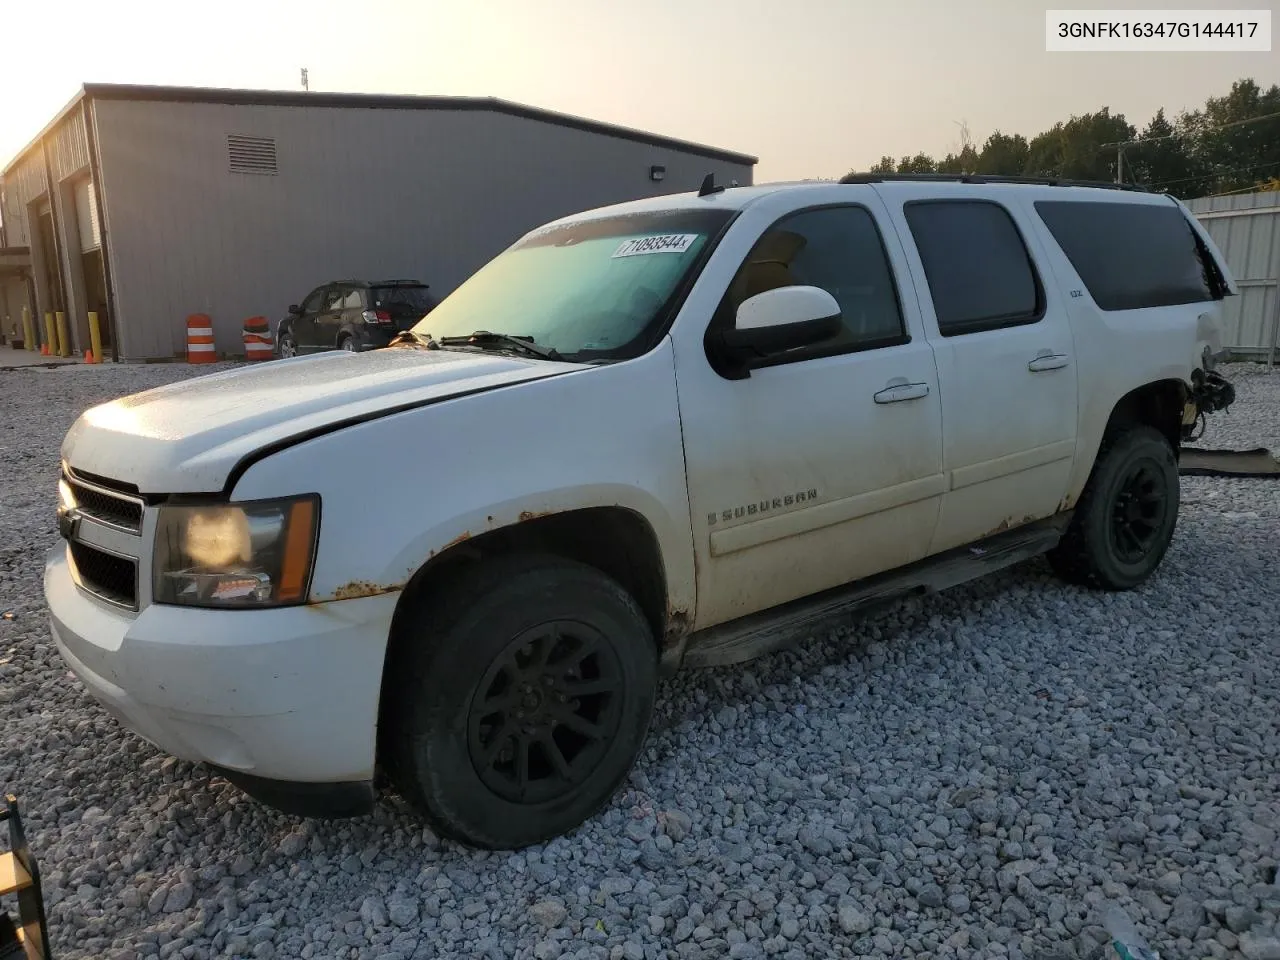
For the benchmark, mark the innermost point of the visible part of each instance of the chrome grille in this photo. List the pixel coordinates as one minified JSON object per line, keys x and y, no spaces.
{"x":103,"y":504}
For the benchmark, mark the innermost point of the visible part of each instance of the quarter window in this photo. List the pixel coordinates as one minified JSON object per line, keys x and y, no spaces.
{"x":979,"y":271}
{"x":1130,"y":255}
{"x":352,"y":300}
{"x":838,"y":249}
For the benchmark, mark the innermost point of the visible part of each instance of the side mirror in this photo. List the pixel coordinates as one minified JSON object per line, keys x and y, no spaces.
{"x":294,"y":309}
{"x":782,"y":319}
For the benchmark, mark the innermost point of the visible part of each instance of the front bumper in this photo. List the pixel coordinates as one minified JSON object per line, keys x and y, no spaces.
{"x":287,"y":695}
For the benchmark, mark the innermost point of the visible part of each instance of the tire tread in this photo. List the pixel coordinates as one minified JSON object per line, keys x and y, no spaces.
{"x":440,"y":609}
{"x":1074,"y":559}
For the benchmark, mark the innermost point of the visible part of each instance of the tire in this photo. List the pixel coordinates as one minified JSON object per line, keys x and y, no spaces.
{"x":286,"y":347}
{"x":1136,"y":472}
{"x":451,"y":757}
{"x":347,"y":343}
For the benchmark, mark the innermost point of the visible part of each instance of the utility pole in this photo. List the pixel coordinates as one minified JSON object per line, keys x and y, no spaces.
{"x":305,"y":84}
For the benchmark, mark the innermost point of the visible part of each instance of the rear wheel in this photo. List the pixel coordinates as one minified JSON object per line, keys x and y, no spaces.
{"x":521,"y":701}
{"x":1126,"y":516}
{"x":347,"y":343}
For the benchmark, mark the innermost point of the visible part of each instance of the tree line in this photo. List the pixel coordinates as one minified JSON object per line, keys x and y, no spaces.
{"x":1230,"y":145}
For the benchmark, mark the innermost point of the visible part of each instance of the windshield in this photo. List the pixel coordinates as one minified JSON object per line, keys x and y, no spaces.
{"x":401,"y":300}
{"x":589,"y":290}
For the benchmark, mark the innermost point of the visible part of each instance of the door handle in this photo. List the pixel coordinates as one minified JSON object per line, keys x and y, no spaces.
{"x":897,"y":392}
{"x":1054,"y":361}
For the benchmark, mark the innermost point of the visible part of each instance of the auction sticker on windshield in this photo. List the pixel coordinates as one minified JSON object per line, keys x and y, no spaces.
{"x":665,"y":243}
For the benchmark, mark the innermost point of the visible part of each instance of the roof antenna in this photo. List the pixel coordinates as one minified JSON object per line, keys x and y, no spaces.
{"x":709,"y":186}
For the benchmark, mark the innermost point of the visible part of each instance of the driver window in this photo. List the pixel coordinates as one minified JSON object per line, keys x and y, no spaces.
{"x":312,"y":303}
{"x":835,"y":248}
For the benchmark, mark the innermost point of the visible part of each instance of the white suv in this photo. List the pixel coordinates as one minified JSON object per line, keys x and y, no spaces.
{"x":675,"y":431}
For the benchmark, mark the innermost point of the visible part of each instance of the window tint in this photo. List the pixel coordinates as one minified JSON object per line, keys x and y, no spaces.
{"x":312,"y":303}
{"x":979,"y":272}
{"x":1129,"y":255}
{"x":839,"y":250}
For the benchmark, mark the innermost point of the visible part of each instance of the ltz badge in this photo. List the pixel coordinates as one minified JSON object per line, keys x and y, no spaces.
{"x":762,"y":506}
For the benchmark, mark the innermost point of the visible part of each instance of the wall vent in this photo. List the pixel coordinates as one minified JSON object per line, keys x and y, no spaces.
{"x":251,"y":154}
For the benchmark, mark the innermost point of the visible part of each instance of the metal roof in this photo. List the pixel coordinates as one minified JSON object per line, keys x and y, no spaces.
{"x":372,"y":101}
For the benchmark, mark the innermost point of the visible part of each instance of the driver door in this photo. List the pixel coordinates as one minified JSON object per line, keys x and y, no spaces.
{"x":304,"y":324}
{"x":824,"y":464}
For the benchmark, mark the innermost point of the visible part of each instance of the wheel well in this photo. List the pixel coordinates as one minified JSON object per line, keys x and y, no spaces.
{"x":1159,"y":404}
{"x":616,"y":541}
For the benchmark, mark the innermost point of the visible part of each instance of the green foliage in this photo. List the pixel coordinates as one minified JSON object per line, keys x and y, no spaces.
{"x":1202,"y":152}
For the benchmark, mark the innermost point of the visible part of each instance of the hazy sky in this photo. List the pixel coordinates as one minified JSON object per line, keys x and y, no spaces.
{"x":812,"y":87}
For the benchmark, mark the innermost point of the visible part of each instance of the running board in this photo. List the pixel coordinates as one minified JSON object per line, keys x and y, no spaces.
{"x":761,"y":633}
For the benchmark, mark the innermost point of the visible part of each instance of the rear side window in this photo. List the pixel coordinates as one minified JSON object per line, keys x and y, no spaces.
{"x":333,"y":299}
{"x":1129,"y":255}
{"x":979,"y":271}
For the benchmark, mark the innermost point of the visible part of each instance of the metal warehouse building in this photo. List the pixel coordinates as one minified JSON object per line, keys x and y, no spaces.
{"x":169,"y":201}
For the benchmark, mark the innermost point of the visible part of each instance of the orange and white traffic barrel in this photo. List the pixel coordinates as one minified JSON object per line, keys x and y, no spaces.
{"x":257,"y":339}
{"x":200,"y":339}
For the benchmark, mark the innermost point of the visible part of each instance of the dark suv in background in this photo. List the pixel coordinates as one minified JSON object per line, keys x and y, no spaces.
{"x":352,"y":315}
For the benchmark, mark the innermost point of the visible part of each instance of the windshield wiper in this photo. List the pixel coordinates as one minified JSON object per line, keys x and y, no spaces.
{"x":481,"y":338}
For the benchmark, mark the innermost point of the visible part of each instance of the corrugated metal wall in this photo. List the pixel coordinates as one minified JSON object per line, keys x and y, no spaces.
{"x":27,"y":183}
{"x":69,"y":148}
{"x":1246,"y":228}
{"x":22,"y":185}
{"x":361,"y":193}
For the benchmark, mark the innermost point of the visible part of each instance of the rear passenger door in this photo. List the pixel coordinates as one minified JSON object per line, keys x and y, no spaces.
{"x":1006,"y":363}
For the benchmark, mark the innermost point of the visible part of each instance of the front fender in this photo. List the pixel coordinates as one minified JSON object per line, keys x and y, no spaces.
{"x":399,"y":490}
{"x":445,"y":535}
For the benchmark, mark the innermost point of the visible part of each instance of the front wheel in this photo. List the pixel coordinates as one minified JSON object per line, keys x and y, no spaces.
{"x":1125,"y":519}
{"x":286,"y":347}
{"x":521,"y":700}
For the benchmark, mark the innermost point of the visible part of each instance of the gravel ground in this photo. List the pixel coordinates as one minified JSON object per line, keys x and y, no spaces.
{"x":969,"y":775}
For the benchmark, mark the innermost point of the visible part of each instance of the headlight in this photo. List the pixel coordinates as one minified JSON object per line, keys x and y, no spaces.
{"x":236,"y":555}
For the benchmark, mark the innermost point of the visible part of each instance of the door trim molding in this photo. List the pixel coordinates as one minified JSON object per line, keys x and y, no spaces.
{"x":1013,"y":463}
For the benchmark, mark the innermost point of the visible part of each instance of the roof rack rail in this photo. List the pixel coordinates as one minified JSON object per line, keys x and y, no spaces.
{"x":983,"y":178}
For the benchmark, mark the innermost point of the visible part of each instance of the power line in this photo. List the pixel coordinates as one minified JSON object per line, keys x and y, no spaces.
{"x":1229,"y":193}
{"x":1218,"y":175}
{"x":1192,"y":133}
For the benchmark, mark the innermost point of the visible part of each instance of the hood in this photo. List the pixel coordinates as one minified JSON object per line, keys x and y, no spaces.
{"x":187,"y":437}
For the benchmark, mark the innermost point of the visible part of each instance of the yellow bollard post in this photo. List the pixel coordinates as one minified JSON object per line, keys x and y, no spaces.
{"x":95,"y":337}
{"x":28,"y":330}
{"x":50,"y":337}
{"x":64,"y":339}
